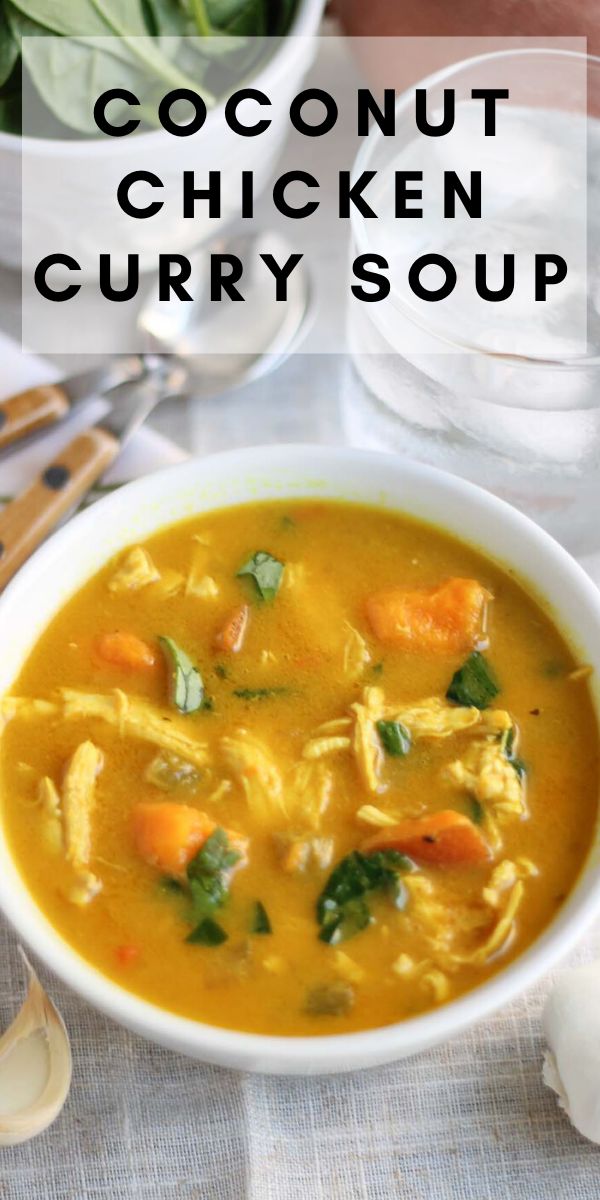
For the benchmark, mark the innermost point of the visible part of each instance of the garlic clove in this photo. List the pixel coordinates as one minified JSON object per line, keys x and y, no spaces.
{"x":35,"y":1067}
{"x":572,"y":1063}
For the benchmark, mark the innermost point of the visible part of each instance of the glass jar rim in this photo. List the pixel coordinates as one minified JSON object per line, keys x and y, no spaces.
{"x":359,"y":229}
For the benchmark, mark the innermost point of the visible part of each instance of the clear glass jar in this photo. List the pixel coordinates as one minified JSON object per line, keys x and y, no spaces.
{"x":511,"y":399}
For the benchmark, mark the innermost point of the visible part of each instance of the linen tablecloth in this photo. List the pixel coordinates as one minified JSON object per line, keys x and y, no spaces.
{"x":470,"y":1120}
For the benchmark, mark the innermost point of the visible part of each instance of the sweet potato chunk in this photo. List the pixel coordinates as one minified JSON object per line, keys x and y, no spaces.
{"x":444,"y":619}
{"x":125,"y":650}
{"x":442,"y":839}
{"x":168,"y":835}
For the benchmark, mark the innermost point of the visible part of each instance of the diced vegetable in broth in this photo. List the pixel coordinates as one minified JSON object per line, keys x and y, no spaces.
{"x":443,"y":619}
{"x":383,"y":798}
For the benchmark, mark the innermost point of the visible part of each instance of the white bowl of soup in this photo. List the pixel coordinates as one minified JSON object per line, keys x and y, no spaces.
{"x":299,"y":756}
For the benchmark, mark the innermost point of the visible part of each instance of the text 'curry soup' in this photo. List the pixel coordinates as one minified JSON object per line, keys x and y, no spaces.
{"x":300,"y":768}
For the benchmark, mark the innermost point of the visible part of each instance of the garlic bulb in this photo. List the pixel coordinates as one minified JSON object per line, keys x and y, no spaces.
{"x":35,"y":1067}
{"x":572,"y":1063}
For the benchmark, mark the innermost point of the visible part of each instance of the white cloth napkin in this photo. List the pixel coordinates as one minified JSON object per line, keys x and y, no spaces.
{"x":146,"y":452}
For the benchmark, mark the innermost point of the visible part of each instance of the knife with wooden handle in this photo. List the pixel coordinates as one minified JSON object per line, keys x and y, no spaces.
{"x":35,"y":409}
{"x":27,"y":520}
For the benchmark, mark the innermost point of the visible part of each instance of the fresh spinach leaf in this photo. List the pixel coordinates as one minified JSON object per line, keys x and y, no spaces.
{"x":207,"y":874}
{"x":266,"y":572}
{"x":477,"y":811}
{"x":207,"y":933}
{"x":519,"y":766}
{"x":164,"y":18}
{"x":9,"y":48}
{"x":474,"y":684}
{"x":156,"y":40}
{"x":342,"y":908}
{"x":260,"y":919}
{"x":262,"y":693}
{"x":174,"y":886}
{"x":186,"y":689}
{"x":10,"y":104}
{"x":508,"y":748}
{"x":395,"y":738}
{"x":239,"y":18}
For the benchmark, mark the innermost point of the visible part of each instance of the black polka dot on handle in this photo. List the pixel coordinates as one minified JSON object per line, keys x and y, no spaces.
{"x":56,"y":477}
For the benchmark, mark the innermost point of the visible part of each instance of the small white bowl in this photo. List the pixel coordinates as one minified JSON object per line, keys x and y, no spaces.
{"x":82,"y":175}
{"x":286,"y":472}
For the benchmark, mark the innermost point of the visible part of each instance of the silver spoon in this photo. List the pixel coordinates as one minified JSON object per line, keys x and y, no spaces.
{"x":216,"y":346}
{"x":181,"y":369}
{"x":227,"y":344}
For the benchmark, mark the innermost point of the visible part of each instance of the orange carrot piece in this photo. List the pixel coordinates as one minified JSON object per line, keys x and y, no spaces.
{"x":125,"y":650}
{"x":168,"y":835}
{"x":442,"y":839}
{"x":445,"y":619}
{"x":230,"y":637}
{"x":125,"y":955}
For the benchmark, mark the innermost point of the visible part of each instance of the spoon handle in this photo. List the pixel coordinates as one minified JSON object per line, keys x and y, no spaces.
{"x":26,"y":412}
{"x":27,"y":520}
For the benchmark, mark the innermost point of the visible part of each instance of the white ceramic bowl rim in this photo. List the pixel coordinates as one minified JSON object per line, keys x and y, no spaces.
{"x":336,"y":1051}
{"x":304,"y":25}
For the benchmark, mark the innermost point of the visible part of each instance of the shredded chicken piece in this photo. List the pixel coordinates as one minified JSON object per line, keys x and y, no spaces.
{"x":429,"y":916}
{"x":170,"y":582}
{"x":430,"y":978}
{"x":490,"y":776}
{"x":197,"y":572}
{"x":49,"y":800}
{"x":294,"y":574}
{"x":135,"y":571}
{"x":206,"y":588}
{"x":348,"y":968}
{"x":251,"y":765}
{"x":299,"y":852}
{"x":356,"y":652}
{"x":222,"y":789}
{"x":494,"y":721}
{"x":320,"y":747}
{"x":371,"y":815}
{"x":502,"y":930}
{"x":337,"y":725}
{"x":295,"y":855}
{"x":308,"y":791}
{"x":583,"y":672}
{"x":433,"y":718}
{"x":436,"y":983}
{"x":20,"y":706}
{"x":78,"y":797}
{"x":403,"y":965}
{"x":135,"y":717}
{"x":367,"y":746}
{"x":504,"y":876}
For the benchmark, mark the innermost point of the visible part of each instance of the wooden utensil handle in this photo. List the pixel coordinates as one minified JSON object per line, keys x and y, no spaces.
{"x":26,"y":521}
{"x":31,"y":410}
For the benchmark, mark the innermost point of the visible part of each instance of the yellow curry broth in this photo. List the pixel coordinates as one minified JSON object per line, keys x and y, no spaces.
{"x":334,"y":556}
